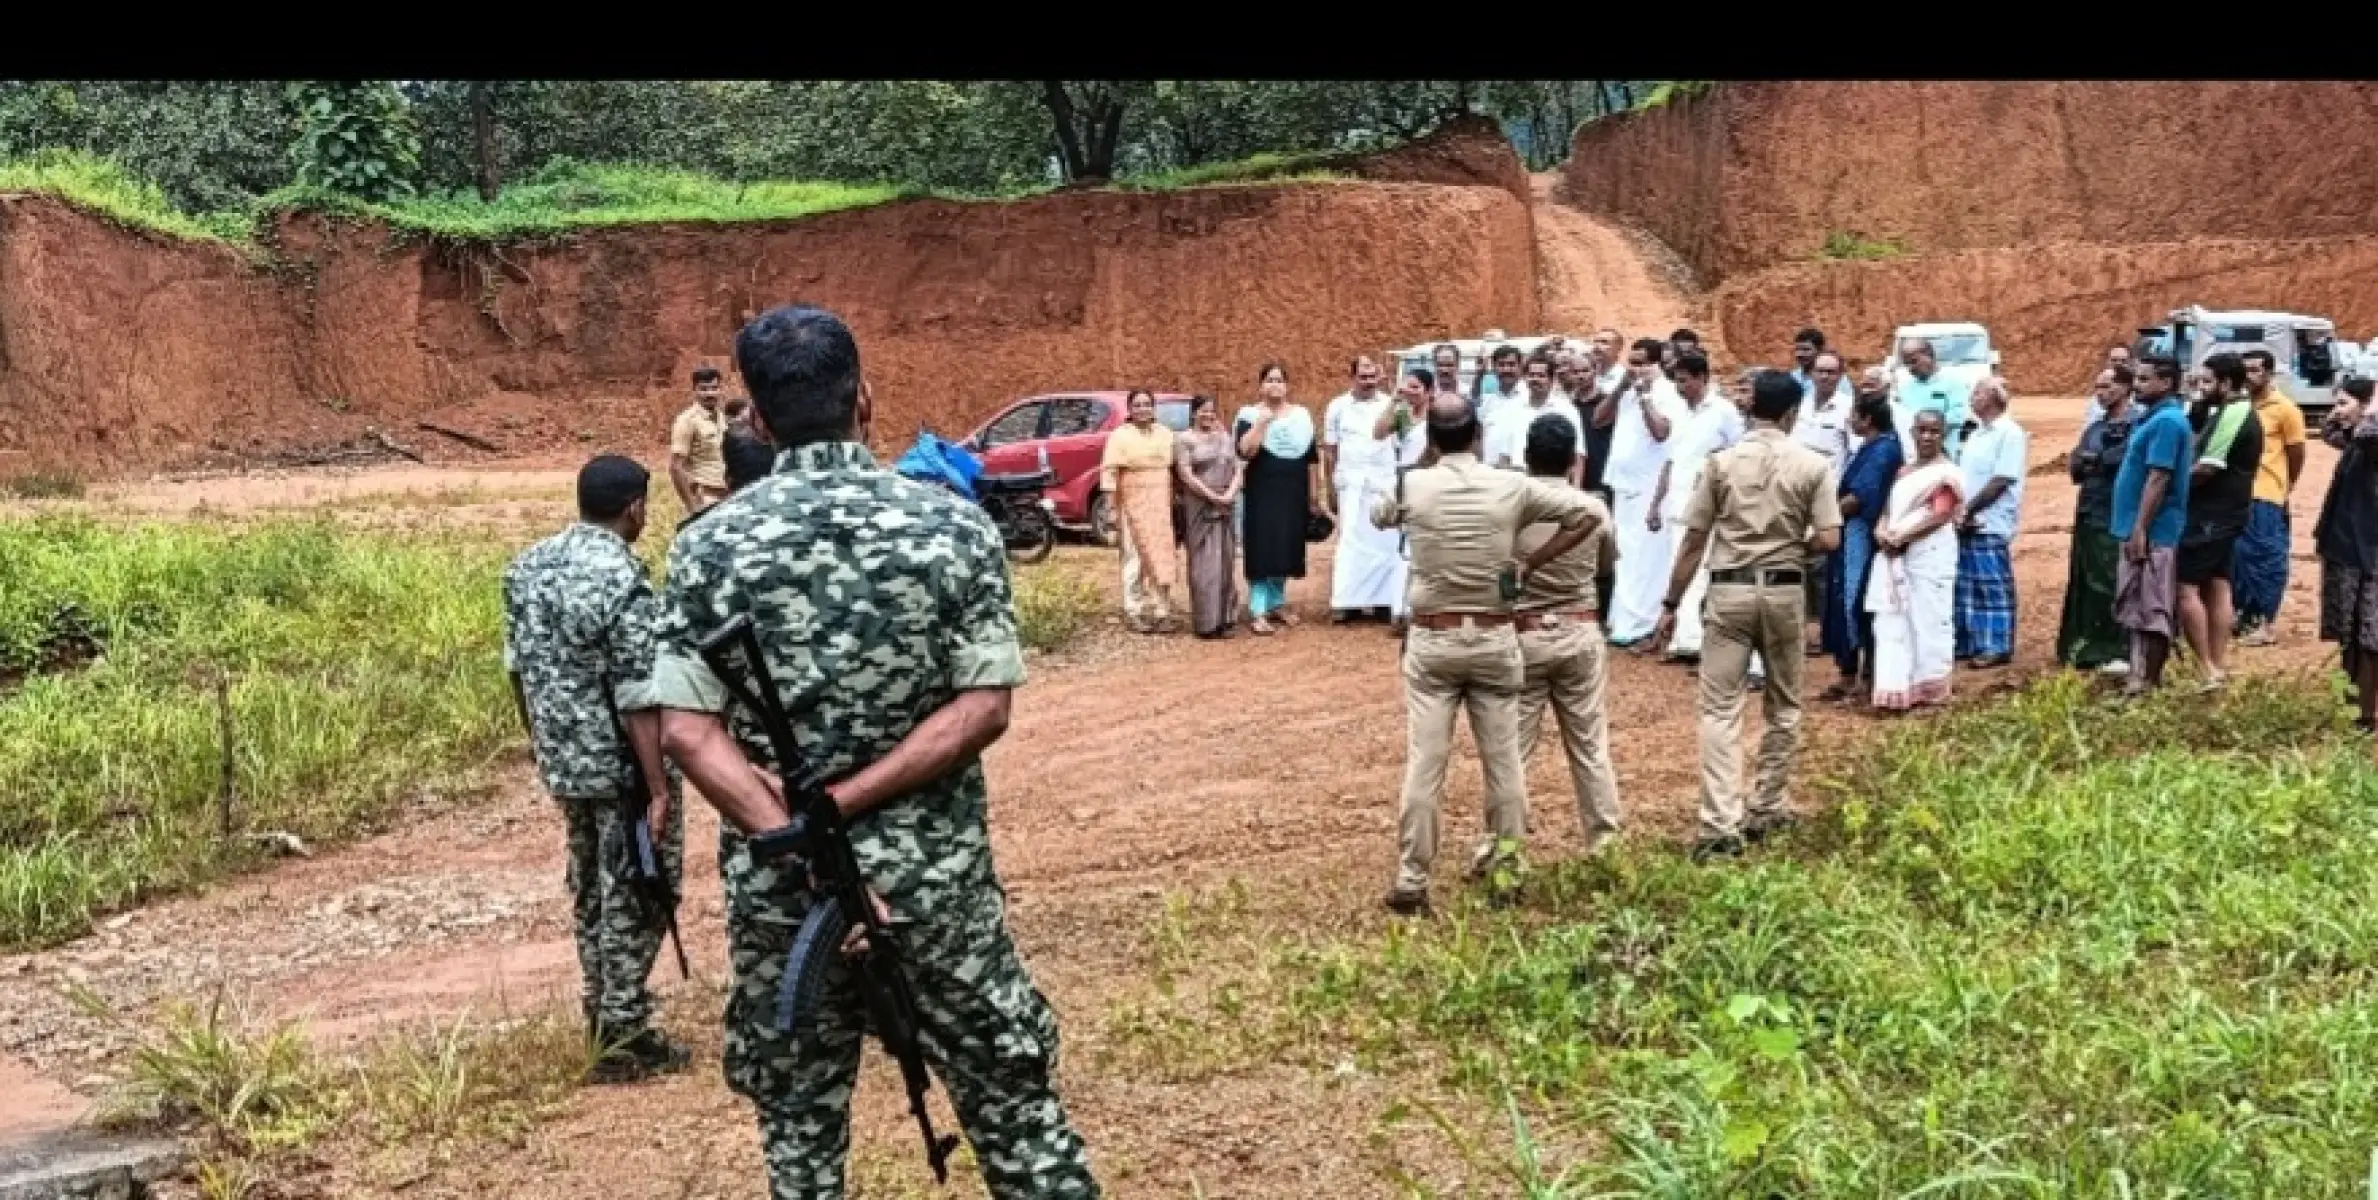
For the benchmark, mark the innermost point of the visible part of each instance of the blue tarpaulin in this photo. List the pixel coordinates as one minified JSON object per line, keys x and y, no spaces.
{"x":933,"y":460}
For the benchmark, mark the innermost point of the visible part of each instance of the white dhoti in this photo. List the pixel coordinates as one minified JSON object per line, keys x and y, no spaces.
{"x":1368,"y":571}
{"x":1643,"y":561}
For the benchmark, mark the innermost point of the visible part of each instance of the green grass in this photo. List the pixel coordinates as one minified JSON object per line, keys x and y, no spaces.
{"x":1308,"y":167}
{"x":1840,"y":246}
{"x":561,"y":197}
{"x":2043,"y":948}
{"x":101,"y":186}
{"x":363,"y":670}
{"x":1674,"y":90}
{"x":260,"y":1098}
{"x":566,"y":196}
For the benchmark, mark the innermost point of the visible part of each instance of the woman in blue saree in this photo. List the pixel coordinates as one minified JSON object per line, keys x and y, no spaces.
{"x":1848,"y":629}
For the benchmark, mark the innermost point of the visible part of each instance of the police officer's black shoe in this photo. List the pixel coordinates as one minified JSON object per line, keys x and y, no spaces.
{"x":1760,"y":825}
{"x":1729,"y":846}
{"x":1407,"y":903}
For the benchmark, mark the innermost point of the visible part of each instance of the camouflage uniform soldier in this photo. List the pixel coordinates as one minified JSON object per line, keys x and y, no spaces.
{"x":883,"y":606}
{"x":578,"y":611}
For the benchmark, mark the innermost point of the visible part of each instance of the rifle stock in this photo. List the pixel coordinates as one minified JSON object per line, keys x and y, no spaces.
{"x":817,"y":838}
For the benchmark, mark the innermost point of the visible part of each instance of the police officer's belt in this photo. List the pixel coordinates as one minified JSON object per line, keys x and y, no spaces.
{"x":1757,"y":576}
{"x":1531,"y":622}
{"x":1455,"y":620}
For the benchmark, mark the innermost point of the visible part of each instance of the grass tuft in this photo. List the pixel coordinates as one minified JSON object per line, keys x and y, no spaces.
{"x":1842,"y":246}
{"x":254,"y":1094}
{"x":1270,"y":168}
{"x":1056,"y":602}
{"x":245,"y":1088}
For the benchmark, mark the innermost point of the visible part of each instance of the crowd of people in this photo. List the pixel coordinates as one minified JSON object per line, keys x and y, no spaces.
{"x":1572,"y":500}
{"x":1930,"y":474}
{"x":2181,"y":535}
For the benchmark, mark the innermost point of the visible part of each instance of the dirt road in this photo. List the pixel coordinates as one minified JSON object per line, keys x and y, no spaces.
{"x":1592,"y":271}
{"x":1136,"y":767}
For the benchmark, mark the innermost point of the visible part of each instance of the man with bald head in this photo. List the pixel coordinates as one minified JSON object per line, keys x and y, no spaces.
{"x":1462,"y":518}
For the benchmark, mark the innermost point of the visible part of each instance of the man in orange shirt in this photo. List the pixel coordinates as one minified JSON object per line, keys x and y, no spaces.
{"x":2260,"y":571}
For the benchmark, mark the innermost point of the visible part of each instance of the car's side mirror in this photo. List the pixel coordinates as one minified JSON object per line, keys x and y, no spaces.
{"x":1994,"y":360}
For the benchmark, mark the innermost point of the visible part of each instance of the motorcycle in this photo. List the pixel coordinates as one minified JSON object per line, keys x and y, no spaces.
{"x":1018,"y":505}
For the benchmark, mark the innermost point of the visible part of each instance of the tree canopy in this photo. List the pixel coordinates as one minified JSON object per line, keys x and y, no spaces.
{"x":220,"y":145}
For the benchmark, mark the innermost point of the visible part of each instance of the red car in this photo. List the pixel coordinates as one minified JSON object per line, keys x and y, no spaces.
{"x":1071,"y":427}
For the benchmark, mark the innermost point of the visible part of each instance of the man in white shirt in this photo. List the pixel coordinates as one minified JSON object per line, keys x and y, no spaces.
{"x":1993,"y":462}
{"x":1825,"y":402}
{"x":1641,"y":419}
{"x":1366,"y":574}
{"x":1507,"y":437}
{"x":1403,"y":425}
{"x":1705,"y":424}
{"x":1498,"y":388}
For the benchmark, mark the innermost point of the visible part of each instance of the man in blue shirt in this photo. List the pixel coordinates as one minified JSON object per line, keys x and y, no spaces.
{"x":1925,"y":388}
{"x":2150,"y":513}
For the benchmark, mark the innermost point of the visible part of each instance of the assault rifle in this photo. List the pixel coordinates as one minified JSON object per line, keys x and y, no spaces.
{"x":644,"y":863}
{"x":817,"y":840}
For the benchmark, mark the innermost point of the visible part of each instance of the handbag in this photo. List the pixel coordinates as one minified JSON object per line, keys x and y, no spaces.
{"x":1318,"y":527}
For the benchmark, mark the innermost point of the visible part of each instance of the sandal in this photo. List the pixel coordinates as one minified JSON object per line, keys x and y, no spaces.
{"x":1260,"y":627}
{"x":1837,"y":694}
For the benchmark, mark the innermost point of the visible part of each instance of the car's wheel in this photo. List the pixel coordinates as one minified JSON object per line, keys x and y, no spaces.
{"x":1102,"y":519}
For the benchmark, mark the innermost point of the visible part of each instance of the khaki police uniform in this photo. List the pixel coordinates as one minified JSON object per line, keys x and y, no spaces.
{"x":699,"y":437}
{"x":1461,"y":518}
{"x":1561,"y":643}
{"x":1760,"y":502}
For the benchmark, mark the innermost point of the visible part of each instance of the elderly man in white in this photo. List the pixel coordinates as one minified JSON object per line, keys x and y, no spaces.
{"x":1367,"y":576}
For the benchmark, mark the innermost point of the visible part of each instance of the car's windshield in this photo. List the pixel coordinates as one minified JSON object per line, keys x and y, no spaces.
{"x":1173,"y":414}
{"x":1952,"y":348}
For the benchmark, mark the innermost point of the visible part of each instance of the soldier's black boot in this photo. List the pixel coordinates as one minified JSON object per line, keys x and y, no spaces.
{"x":657,"y":1054}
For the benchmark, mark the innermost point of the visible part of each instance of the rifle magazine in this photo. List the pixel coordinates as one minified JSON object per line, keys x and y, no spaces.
{"x":805,"y":965}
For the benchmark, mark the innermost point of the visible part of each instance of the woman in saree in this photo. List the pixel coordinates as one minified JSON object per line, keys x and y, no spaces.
{"x":1912,"y":588}
{"x":1137,"y":470}
{"x":1847,"y":627}
{"x":1206,"y":466}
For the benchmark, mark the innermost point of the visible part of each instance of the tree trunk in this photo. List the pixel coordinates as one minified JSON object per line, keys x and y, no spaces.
{"x":1069,"y":140}
{"x":491,"y":172}
{"x":1088,"y":134}
{"x":1106,"y":135}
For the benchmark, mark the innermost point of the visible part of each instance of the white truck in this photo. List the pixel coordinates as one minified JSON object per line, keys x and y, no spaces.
{"x":2310,"y":360}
